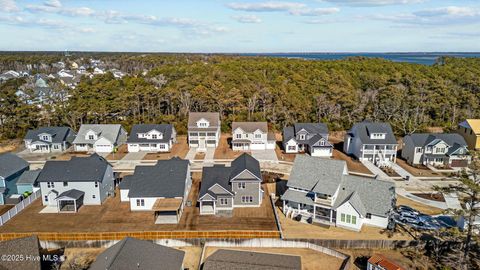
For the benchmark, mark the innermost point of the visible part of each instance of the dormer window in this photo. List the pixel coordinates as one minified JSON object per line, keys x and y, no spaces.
{"x":45,"y":137}
{"x":322,"y":143}
{"x":154,"y":136}
{"x":91,"y":137}
{"x":377,"y":136}
{"x":258,"y":136}
{"x":203,"y":124}
{"x":302,"y":136}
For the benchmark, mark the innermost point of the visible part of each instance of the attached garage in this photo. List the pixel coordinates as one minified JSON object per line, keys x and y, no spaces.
{"x":459,"y":163}
{"x":321,"y":152}
{"x":257,"y":146}
{"x":104,"y":148}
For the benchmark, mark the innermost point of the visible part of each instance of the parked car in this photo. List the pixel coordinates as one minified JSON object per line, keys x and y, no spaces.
{"x":404,"y":208}
{"x":410,"y":218}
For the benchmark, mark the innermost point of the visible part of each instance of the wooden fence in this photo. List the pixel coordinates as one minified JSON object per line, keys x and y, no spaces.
{"x":19,"y":207}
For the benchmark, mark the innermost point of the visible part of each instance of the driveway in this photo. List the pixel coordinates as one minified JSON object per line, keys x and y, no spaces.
{"x":265,"y":155}
{"x":27,"y":155}
{"x":134,"y":156}
{"x":209,"y":155}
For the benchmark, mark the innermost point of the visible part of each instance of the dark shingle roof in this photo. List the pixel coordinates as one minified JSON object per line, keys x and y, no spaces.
{"x":423,"y":139}
{"x":166,"y":179}
{"x":11,"y":164}
{"x":72,"y":194}
{"x":28,"y":246}
{"x":59,"y":134}
{"x":218,"y":174}
{"x":165,"y":129}
{"x":246,"y":162}
{"x":236,"y":260}
{"x":288,"y":133}
{"x":28,"y":177}
{"x":131,"y":253}
{"x":363,"y":130}
{"x":312,"y":128}
{"x":78,"y":169}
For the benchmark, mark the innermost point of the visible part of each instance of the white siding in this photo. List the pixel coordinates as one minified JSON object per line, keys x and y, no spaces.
{"x":348,"y":209}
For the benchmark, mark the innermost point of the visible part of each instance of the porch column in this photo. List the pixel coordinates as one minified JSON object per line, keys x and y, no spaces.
{"x":200,"y":207}
{"x":331,"y":215}
{"x":58,"y":206}
{"x":75,"y":204}
{"x":314,"y":207}
{"x":214,"y":207}
{"x":284,"y":210}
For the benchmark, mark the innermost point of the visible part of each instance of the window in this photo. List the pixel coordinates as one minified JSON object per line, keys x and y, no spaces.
{"x":140,"y":202}
{"x":354,"y":220}
{"x":91,"y":137}
{"x":154,"y":136}
{"x":96,"y":184}
{"x":201,"y":134}
{"x":369,"y":216}
{"x":50,"y":184}
{"x":93,"y":196}
{"x":241,"y":185}
{"x":348,"y":218}
{"x":322,"y":143}
{"x":440,"y":150}
{"x":46,"y":198}
{"x":161,"y":146}
{"x":342,"y":217}
{"x":56,"y":147}
{"x":211,"y":134}
{"x":45,"y":137}
{"x":238,"y":136}
{"x":223,"y":201}
{"x":419,"y":150}
{"x":302,"y":136}
{"x":291,"y":147}
{"x":65,"y":184}
{"x":258,"y":136}
{"x":202,"y":124}
{"x":193,"y":134}
{"x":247,"y":199}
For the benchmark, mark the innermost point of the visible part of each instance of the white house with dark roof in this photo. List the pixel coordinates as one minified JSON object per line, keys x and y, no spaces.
{"x":322,"y":191}
{"x":152,"y":138}
{"x":49,"y":139}
{"x":248,"y":136}
{"x":99,"y":138}
{"x":203,"y":130}
{"x":162,"y":189}
{"x":225,"y":188}
{"x":68,"y":184}
{"x":311,"y":138}
{"x":434,"y":149}
{"x":372,"y":141}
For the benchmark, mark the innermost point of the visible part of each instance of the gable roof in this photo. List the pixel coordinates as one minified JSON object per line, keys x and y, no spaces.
{"x":110,"y":132}
{"x":317,"y":174}
{"x":11,"y":164}
{"x":423,"y":139}
{"x":250,"y":127}
{"x":131,"y":253}
{"x":28,"y":177}
{"x":236,"y":260}
{"x":59,"y":134}
{"x":473,"y":124}
{"x":384,"y":262}
{"x":165,"y":129}
{"x":312,"y":128}
{"x":78,"y":169}
{"x":74,"y":194}
{"x":245,"y":162}
{"x":363,"y":130}
{"x":27,"y":246}
{"x":166,"y":179}
{"x":212,"y":117}
{"x":288,"y":134}
{"x":218,"y":174}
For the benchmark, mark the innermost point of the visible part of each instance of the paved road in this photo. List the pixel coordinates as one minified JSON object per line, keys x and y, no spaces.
{"x":134,"y":156}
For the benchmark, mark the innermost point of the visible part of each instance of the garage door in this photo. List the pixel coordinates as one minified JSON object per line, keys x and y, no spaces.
{"x":321,"y":152}
{"x":133,"y":147}
{"x":103,"y":148}
{"x":459,"y":163}
{"x":257,"y":146}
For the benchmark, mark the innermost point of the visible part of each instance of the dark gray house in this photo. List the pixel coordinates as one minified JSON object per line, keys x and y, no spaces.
{"x":236,"y":259}
{"x":131,"y":253}
{"x":432,"y":149}
{"x":311,"y":138}
{"x":11,"y":168}
{"x":152,"y":138}
{"x":49,"y":139}
{"x":224,"y":188}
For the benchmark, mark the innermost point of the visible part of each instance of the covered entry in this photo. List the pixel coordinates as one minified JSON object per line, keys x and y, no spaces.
{"x":167,"y":211}
{"x":70,"y":201}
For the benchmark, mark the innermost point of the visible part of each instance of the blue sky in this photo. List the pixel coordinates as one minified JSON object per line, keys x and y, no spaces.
{"x":241,"y":25}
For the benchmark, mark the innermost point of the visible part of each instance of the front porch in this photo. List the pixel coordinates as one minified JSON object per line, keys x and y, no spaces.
{"x":310,"y":214}
{"x":241,"y":145}
{"x":70,"y":201}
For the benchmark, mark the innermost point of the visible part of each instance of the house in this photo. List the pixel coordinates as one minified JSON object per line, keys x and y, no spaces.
{"x":432,"y":149}
{"x":380,"y":262}
{"x":224,"y":188}
{"x":311,"y":138}
{"x":236,"y":259}
{"x":21,"y":253}
{"x":152,"y":138}
{"x":203,"y":130}
{"x":49,"y":139}
{"x":99,"y":138}
{"x":162,"y":189}
{"x":11,"y":168}
{"x":372,"y":141}
{"x":27,"y":181}
{"x":470,"y":131}
{"x":68,"y":184}
{"x":252,"y":136}
{"x":322,"y":191}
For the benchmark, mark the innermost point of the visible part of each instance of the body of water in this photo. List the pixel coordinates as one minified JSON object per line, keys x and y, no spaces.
{"x":417,"y":58}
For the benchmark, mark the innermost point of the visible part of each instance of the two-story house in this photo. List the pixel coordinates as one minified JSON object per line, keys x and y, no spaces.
{"x":470,"y":131}
{"x":311,"y":138}
{"x":322,"y":191}
{"x":68,"y":184}
{"x":99,"y":138}
{"x":11,"y":168}
{"x":152,"y":138}
{"x":203,"y":130}
{"x":225,"y":188}
{"x":49,"y":139}
{"x":252,"y":136}
{"x":436,"y":150}
{"x":162,"y":189}
{"x":372,"y":141}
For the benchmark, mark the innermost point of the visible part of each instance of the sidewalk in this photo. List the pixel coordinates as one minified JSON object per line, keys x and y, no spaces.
{"x":375,"y":170}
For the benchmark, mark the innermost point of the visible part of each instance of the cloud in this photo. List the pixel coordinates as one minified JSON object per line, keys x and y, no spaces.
{"x":247,"y":19}
{"x":314,"y":11}
{"x":449,"y":11}
{"x":53,"y":3}
{"x":373,"y":2}
{"x":266,"y":6}
{"x":8,"y":6}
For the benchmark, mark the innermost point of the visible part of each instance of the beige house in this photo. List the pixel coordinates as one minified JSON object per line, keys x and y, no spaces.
{"x":470,"y":130}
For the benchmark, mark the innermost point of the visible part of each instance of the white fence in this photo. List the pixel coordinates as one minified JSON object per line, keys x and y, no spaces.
{"x":19,"y":207}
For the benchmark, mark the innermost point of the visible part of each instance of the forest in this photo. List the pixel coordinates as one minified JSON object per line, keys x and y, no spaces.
{"x":411,"y":97}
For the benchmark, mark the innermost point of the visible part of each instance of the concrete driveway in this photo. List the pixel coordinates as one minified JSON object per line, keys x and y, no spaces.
{"x":134,"y":156}
{"x":265,"y":155}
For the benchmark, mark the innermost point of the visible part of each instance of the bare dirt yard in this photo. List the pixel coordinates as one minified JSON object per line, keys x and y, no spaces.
{"x":311,"y":259}
{"x":5,"y":208}
{"x":192,"y":257}
{"x":121,"y":153}
{"x":402,"y":257}
{"x":179,"y":149}
{"x":419,"y":171}
{"x":224,"y":150}
{"x":10,"y":145}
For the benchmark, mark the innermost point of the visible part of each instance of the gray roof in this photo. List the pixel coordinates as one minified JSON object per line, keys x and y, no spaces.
{"x":11,"y":164}
{"x":250,"y":127}
{"x":131,"y":253}
{"x":297,"y":196}
{"x":363,"y":130}
{"x":218,"y":174}
{"x":28,"y":177}
{"x":109,"y":132}
{"x":166,"y":179}
{"x":236,"y":260}
{"x":367,"y":195}
{"x":317,"y":174}
{"x":165,"y":129}
{"x":27,"y":246}
{"x":246,"y":162}
{"x":454,"y":140}
{"x":59,"y":134}
{"x":288,"y":133}
{"x":312,"y":128}
{"x":74,"y":194}
{"x":78,"y":169}
{"x":212,"y":117}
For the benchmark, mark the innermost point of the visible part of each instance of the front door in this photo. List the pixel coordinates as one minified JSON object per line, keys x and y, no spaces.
{"x":52,"y":199}
{"x":201,"y":143}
